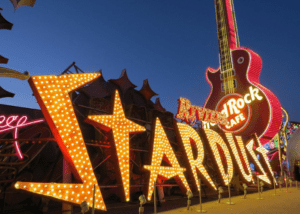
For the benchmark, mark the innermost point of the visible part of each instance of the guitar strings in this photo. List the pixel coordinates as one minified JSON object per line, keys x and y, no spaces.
{"x":226,"y":61}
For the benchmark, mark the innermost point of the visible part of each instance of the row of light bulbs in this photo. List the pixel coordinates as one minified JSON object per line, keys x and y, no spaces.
{"x":60,"y":115}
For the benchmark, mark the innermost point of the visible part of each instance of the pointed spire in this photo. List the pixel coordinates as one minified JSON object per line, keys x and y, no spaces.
{"x":4,"y":93}
{"x":98,"y":88}
{"x":158,"y":106}
{"x":123,"y":82}
{"x":146,"y":90}
{"x":19,"y":3}
{"x":4,"y":24}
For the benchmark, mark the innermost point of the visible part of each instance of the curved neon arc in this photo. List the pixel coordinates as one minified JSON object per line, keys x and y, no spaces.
{"x":21,"y":122}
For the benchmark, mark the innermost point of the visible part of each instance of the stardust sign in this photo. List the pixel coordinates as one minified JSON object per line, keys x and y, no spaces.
{"x":52,"y":94}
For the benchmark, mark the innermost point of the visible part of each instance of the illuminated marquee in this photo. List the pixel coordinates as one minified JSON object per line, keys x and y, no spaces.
{"x":52,"y":94}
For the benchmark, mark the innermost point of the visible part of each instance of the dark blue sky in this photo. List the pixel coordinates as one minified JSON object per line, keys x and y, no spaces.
{"x":170,"y":43}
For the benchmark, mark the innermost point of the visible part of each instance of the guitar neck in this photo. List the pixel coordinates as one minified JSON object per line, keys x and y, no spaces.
{"x":227,"y":31}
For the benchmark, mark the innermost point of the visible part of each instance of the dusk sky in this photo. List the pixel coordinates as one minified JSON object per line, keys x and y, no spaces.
{"x":168,"y":42}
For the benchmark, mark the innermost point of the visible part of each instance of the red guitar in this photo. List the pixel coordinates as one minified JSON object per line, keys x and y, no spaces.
{"x":235,"y":87}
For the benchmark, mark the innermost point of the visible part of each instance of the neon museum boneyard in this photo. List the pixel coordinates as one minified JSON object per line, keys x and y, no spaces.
{"x":244,"y":116}
{"x":227,"y":151}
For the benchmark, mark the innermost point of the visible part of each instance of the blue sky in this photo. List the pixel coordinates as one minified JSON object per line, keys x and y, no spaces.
{"x":168,"y":42}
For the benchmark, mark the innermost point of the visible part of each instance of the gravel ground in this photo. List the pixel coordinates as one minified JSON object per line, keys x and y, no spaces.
{"x":283,"y":202}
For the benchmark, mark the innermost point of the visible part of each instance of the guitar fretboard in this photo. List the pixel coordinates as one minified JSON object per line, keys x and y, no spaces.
{"x":228,"y":39}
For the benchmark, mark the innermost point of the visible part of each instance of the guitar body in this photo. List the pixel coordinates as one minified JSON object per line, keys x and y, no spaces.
{"x":251,"y":108}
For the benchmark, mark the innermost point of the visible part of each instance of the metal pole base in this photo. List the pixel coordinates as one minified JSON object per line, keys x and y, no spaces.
{"x":230,"y":203}
{"x":201,"y":211}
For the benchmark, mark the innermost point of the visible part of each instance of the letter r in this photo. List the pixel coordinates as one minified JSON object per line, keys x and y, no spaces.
{"x":254,"y":93}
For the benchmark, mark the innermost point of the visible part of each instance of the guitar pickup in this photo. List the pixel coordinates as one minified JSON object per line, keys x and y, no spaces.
{"x":225,"y":87}
{"x":227,"y":73}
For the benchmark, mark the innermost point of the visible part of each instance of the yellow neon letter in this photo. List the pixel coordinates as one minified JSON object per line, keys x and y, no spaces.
{"x":263,"y":152}
{"x":187,"y":132}
{"x":52,"y":94}
{"x":248,"y":177}
{"x":215,"y":139}
{"x":249,"y":147}
{"x":161,"y":149}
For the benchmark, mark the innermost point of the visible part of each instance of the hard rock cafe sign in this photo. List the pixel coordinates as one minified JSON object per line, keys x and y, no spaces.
{"x":232,"y":114}
{"x":52,"y":94}
{"x":237,"y":109}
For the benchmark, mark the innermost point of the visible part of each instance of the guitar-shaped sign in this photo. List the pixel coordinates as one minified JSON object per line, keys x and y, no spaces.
{"x":235,"y":87}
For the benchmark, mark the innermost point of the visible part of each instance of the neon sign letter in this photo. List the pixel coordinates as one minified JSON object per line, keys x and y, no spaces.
{"x":163,"y":150}
{"x":263,"y":152}
{"x":248,"y":177}
{"x":52,"y":94}
{"x":213,"y":139}
{"x":187,"y":132}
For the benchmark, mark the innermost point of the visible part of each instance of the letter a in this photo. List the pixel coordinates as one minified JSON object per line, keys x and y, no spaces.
{"x":162,"y":150}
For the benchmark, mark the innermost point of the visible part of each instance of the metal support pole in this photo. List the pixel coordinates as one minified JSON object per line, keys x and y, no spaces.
{"x":279,"y":152}
{"x":258,"y":187}
{"x":143,"y":201}
{"x":280,"y":186}
{"x":189,"y":196}
{"x":296,"y":184}
{"x":286,"y":184}
{"x":274,"y":185}
{"x":94,"y":193}
{"x":141,"y":209}
{"x":229,"y":202}
{"x":245,"y":190}
{"x":154,"y":192}
{"x":200,"y":211}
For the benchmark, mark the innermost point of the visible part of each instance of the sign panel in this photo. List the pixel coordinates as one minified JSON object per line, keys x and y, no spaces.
{"x":52,"y":93}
